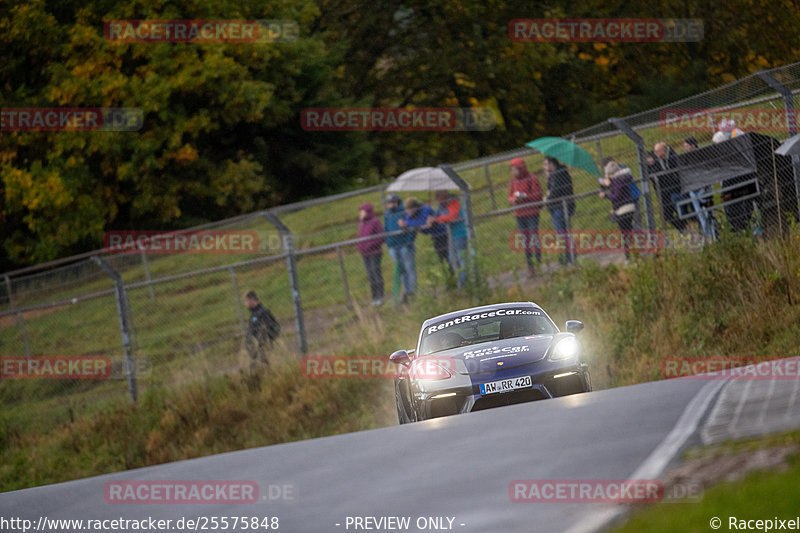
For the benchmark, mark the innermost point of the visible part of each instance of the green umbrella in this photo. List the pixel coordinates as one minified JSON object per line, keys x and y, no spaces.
{"x":568,"y":153}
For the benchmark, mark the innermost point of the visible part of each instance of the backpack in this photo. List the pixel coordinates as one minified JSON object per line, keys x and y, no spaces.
{"x":635,"y":192}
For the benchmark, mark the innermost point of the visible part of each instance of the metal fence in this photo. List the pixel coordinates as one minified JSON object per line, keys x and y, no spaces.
{"x":168,"y":318}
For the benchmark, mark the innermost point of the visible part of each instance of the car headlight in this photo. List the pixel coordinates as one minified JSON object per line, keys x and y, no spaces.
{"x":566,"y":348}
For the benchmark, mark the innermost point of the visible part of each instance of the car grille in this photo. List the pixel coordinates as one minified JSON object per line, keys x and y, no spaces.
{"x":508,"y":398}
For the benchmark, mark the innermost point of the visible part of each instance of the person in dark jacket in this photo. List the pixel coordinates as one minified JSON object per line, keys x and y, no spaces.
{"x":262,"y":329}
{"x":524,"y":188}
{"x":661,"y":160}
{"x":401,"y":247}
{"x":618,"y":183}
{"x":371,"y":250}
{"x":636,"y":193}
{"x":559,"y":187}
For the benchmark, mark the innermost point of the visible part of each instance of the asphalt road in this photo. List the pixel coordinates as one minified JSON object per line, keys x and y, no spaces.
{"x":458,"y":467}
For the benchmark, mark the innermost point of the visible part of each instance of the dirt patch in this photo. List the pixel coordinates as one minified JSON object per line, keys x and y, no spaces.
{"x":716,"y":465}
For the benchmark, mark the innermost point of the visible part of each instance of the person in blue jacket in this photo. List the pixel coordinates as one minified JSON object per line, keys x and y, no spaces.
{"x":415,"y":219}
{"x":401,"y":247}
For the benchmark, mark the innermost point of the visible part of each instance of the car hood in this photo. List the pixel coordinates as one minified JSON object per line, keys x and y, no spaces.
{"x":493,"y":355}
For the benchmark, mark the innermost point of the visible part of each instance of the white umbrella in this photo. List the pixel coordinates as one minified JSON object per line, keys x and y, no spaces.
{"x":422,"y":179}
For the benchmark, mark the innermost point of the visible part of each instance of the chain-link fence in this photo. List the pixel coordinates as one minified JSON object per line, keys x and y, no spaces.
{"x":169,"y":312}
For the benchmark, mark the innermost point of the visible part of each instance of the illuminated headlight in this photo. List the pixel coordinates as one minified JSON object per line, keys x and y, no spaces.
{"x":566,"y":349}
{"x":446,"y":395}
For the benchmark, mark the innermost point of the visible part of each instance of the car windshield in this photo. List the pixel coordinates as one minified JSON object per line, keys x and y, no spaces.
{"x":484,"y":327}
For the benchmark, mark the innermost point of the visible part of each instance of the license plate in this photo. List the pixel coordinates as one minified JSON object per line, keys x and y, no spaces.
{"x":505,"y":385}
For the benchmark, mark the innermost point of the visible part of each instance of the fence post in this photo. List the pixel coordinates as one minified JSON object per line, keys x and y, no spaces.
{"x":452,"y":258}
{"x":125,"y":324}
{"x":237,"y":300}
{"x":8,"y":291}
{"x":791,"y":124}
{"x":641,"y":152}
{"x":491,"y":187}
{"x":345,"y":284}
{"x":294,"y":284}
{"x":147,"y":275}
{"x":567,"y":237}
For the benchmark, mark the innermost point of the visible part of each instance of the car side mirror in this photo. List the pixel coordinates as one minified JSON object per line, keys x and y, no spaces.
{"x":574,"y":326}
{"x":400,"y":357}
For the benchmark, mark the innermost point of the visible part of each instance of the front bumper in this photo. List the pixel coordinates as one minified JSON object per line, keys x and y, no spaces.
{"x":461,"y":393}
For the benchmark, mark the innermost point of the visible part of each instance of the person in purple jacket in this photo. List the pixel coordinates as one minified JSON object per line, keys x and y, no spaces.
{"x":371,"y":250}
{"x":617,"y":184}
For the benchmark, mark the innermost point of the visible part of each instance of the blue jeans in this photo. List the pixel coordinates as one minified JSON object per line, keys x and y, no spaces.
{"x":460,"y":259}
{"x":529,"y":227}
{"x":560,"y":224}
{"x":406,"y":256}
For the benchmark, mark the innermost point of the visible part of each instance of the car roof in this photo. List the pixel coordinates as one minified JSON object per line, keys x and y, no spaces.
{"x":473,"y":310}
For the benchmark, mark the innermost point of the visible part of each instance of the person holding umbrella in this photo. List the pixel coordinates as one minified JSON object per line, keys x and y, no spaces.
{"x":415,"y":219}
{"x":559,"y":196}
{"x":559,"y":152}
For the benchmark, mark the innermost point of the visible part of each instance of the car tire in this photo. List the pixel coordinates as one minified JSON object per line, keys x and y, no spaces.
{"x":402,"y":414}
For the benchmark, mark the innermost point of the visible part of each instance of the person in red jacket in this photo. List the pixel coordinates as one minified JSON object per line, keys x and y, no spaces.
{"x":523,"y":189}
{"x":371,"y":250}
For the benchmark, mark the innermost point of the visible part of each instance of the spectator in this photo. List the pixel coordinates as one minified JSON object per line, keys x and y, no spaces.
{"x":416,"y":219}
{"x":559,"y":188}
{"x":618,"y":182}
{"x":401,"y":247}
{"x":524,"y":188}
{"x":262,"y":330}
{"x":371,"y":250}
{"x":438,"y":233}
{"x":664,"y":159}
{"x":690,"y":144}
{"x":636,"y":193}
{"x":449,"y":212}
{"x":729,"y":129}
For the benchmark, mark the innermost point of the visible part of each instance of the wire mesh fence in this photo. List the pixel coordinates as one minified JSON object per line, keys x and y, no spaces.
{"x":673,"y":176}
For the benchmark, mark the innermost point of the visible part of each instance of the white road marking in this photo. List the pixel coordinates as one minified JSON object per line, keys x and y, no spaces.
{"x":654,"y":465}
